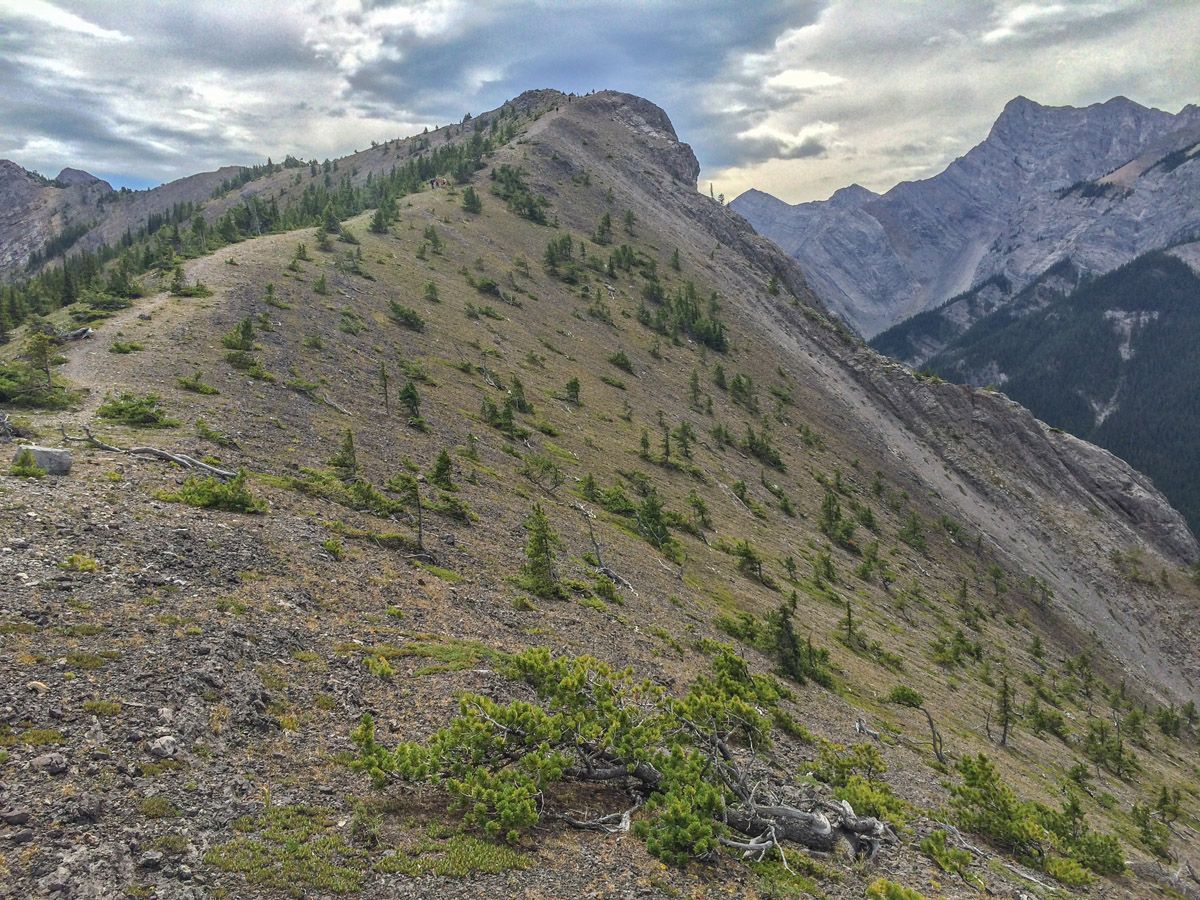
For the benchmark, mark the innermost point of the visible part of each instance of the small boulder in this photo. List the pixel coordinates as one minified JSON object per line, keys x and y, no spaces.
{"x":12,"y":816}
{"x":55,"y":461}
{"x":85,"y":808}
{"x":164,"y":747}
{"x":51,"y":763}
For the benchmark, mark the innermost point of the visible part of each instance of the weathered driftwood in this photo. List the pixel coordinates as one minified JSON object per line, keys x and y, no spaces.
{"x":767,"y":825}
{"x":78,"y":334}
{"x":180,"y":459}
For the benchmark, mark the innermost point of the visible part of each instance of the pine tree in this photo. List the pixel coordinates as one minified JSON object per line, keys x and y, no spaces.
{"x":538,"y":574}
{"x":443,"y":472}
{"x":411,"y":399}
{"x":330,"y":221}
{"x":39,"y":354}
{"x":516,"y":394}
{"x":652,"y":520}
{"x":573,"y":391}
{"x":379,"y":224}
{"x":603,"y":233}
{"x":409,"y":488}
{"x":1005,"y":712}
{"x":471,"y":202}
{"x":345,"y":461}
{"x":383,"y":386}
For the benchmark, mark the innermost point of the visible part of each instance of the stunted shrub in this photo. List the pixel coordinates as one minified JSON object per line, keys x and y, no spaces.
{"x":212,"y":493}
{"x":131,"y":409}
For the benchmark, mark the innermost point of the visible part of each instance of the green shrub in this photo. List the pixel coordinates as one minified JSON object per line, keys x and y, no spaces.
{"x":405,"y":316}
{"x":497,"y":761}
{"x":25,"y":466}
{"x":131,"y":409}
{"x":949,"y":859}
{"x":196,"y":385}
{"x":983,"y":803}
{"x":210,"y":492}
{"x":241,"y":337}
{"x":1067,"y":871}
{"x":245,"y":362}
{"x":379,"y":667}
{"x":621,"y":361}
{"x":882,"y":889}
{"x":873,"y":800}
{"x":220,"y":438}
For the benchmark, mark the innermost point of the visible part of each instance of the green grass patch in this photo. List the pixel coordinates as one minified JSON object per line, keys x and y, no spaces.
{"x":444,"y":574}
{"x":448,"y":655}
{"x":42,"y":737}
{"x":78,"y":562}
{"x":293,"y":849}
{"x":87,"y":661}
{"x":458,"y":857}
{"x":158,"y":807}
{"x":102,"y":708}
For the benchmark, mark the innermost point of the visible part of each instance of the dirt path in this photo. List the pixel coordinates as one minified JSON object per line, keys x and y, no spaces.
{"x":95,"y":370}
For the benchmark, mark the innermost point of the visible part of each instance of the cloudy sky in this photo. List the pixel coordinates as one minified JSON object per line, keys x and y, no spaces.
{"x":796,"y":97}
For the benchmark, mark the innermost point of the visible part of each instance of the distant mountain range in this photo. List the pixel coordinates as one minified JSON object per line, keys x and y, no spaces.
{"x":1054,"y":261}
{"x":1097,"y":186}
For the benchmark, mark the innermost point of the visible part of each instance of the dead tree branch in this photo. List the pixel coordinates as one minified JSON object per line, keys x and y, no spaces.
{"x":180,"y":459}
{"x":605,"y":570}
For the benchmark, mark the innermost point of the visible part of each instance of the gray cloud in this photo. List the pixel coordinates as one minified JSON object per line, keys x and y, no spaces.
{"x":798,"y":97}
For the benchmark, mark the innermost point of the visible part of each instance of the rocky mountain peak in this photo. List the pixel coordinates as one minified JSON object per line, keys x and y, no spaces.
{"x":853,"y":196}
{"x":923,"y":242}
{"x":69,"y":177}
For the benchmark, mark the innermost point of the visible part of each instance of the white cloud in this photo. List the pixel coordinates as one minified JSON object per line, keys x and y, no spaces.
{"x":802,"y":80}
{"x":1013,"y":21}
{"x":799,"y":97}
{"x":924,"y":81}
{"x":355,"y":34}
{"x":48,"y":14}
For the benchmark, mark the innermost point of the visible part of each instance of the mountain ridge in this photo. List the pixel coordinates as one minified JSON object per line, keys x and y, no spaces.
{"x":923,"y":242}
{"x":998,"y":543}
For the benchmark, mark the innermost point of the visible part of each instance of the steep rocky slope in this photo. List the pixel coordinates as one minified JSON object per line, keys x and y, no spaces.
{"x":1097,"y":186}
{"x":180,"y":684}
{"x":1112,"y":360}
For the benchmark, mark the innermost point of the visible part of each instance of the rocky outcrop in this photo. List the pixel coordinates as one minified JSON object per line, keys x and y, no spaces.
{"x":69,"y":177}
{"x":1029,"y":195}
